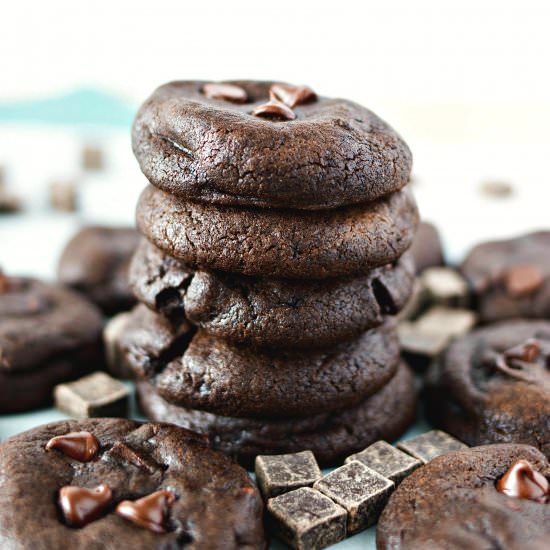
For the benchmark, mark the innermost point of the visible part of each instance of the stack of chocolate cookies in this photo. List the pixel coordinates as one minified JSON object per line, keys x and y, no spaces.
{"x":276,"y":229}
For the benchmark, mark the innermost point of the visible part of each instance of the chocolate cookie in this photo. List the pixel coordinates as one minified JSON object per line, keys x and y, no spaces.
{"x":236,"y":380}
{"x":331,"y":435}
{"x":95,"y":262}
{"x":511,"y":278}
{"x":270,"y":312}
{"x":224,"y":145}
{"x":458,"y":501}
{"x":280,"y":243}
{"x":493,"y":386}
{"x":427,"y":249}
{"x":48,"y":335}
{"x":115,"y":483}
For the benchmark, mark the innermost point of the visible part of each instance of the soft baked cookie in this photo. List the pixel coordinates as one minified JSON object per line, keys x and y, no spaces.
{"x":48,"y":334}
{"x":95,"y":262}
{"x":280,"y":243}
{"x":204,"y":143}
{"x":511,"y":278}
{"x":113,"y":483}
{"x":236,"y":380}
{"x":270,"y":312}
{"x":426,"y":248}
{"x":493,"y":386}
{"x":458,"y":501}
{"x":331,"y":435}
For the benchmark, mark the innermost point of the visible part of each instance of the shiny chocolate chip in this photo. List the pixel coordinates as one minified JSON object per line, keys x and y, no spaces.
{"x":150,"y":512}
{"x":82,"y":446}
{"x":523,"y":280}
{"x":292,"y":96}
{"x":81,"y":506}
{"x":226,"y":92}
{"x":274,"y":110}
{"x":523,"y":481}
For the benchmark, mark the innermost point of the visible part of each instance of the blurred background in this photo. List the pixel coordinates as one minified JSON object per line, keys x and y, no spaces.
{"x":467,"y":86}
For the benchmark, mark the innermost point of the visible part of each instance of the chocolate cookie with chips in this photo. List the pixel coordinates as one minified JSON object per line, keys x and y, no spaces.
{"x":493,"y":386}
{"x":267,"y":144}
{"x":495,"y":496}
{"x":113,"y":483}
{"x":270,"y":312}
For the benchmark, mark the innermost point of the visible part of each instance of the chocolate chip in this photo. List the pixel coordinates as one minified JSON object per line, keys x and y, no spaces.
{"x":82,"y":446}
{"x":362,"y":492}
{"x":274,"y":110}
{"x":150,"y":512}
{"x":227,"y":92}
{"x":277,"y":474}
{"x":81,"y":506}
{"x":429,"y":445}
{"x":387,"y":461}
{"x":91,"y":396}
{"x":523,"y":481}
{"x":306,"y":519}
{"x":528,"y":352}
{"x":445,"y":286}
{"x":523,"y":280}
{"x":292,"y":95}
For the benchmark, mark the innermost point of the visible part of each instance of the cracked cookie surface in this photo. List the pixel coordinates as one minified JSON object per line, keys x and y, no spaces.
{"x":212,"y":150}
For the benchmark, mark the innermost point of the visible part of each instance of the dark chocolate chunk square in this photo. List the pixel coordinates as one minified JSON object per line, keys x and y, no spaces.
{"x":306,"y":519}
{"x":277,"y":474}
{"x":431,"y":444}
{"x":362,"y":492}
{"x":91,"y":396}
{"x":387,"y":461}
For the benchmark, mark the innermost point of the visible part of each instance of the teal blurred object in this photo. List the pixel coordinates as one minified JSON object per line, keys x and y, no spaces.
{"x":82,"y":107}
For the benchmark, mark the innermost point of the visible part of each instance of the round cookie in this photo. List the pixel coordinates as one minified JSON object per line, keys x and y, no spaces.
{"x":95,"y":262}
{"x":427,"y":249}
{"x":453,"y":503}
{"x":236,"y":380}
{"x":331,"y":436}
{"x":211,"y":502}
{"x":493,"y":386}
{"x":280,"y":243}
{"x":212,"y":150}
{"x":270,"y":312}
{"x":48,"y":335}
{"x":511,"y":278}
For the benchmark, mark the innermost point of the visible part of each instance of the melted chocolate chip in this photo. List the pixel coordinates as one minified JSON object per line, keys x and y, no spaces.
{"x":523,"y":481}
{"x":227,"y":92}
{"x":82,"y":446}
{"x":150,"y":512}
{"x":292,"y":95}
{"x":81,"y":506}
{"x":274,"y":110}
{"x":523,"y":280}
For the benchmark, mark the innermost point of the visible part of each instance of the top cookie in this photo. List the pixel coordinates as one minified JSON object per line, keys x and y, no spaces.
{"x":203,"y":142}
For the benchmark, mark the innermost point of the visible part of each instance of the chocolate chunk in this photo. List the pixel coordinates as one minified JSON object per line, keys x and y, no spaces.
{"x":63,"y":196}
{"x":415,"y":304}
{"x":150,"y":512}
{"x":92,"y":158}
{"x":523,"y":280}
{"x":362,"y":492}
{"x":292,"y":96}
{"x":431,"y":444}
{"x":82,"y":446}
{"x":277,"y":474}
{"x":227,"y":92}
{"x":523,"y":481}
{"x":387,"y":461}
{"x":306,"y":519}
{"x":112,"y":332}
{"x":94,"y":395}
{"x":121,"y":452}
{"x":445,"y":286}
{"x":274,"y":110}
{"x":528,"y":352}
{"x":81,"y":506}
